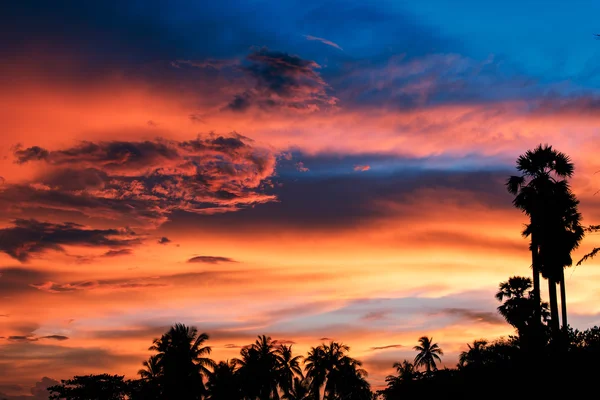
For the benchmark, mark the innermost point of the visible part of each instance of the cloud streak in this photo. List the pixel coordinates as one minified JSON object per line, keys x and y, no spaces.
{"x":324,"y":41}
{"x":28,"y":238}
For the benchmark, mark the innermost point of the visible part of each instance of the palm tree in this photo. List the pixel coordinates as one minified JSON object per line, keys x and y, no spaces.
{"x":348,"y":381}
{"x":223,"y":383}
{"x":540,"y":169}
{"x":406,"y":371}
{"x":321,"y":362}
{"x":562,"y":234}
{"x":428,"y":353}
{"x":300,"y":390}
{"x":288,"y":367}
{"x":259,"y":369}
{"x":151,"y":370}
{"x":475,"y":355}
{"x":519,"y":307}
{"x":182,"y":361}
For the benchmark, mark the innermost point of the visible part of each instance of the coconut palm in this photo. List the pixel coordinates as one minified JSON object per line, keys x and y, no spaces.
{"x":540,"y":169}
{"x":300,"y":390}
{"x":406,"y":371}
{"x":223,"y":383}
{"x":151,"y":370}
{"x":429,"y":352}
{"x":321,"y":362}
{"x":288,"y":367}
{"x":348,"y":381}
{"x":259,"y":369}
{"x":475,"y":355}
{"x":183,"y":362}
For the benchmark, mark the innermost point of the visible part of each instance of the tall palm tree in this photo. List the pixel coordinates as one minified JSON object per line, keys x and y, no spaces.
{"x":288,"y":367}
{"x":540,"y":169}
{"x":406,"y":371}
{"x":562,"y":234}
{"x":183,"y":362}
{"x":348,"y":381}
{"x":259,"y":369}
{"x":321,"y":362}
{"x":428,"y":353}
{"x":223,"y":383}
{"x":151,"y":370}
{"x":300,"y":390}
{"x":475,"y":355}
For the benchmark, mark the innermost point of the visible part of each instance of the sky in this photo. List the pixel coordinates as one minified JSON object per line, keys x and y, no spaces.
{"x":309,"y":170}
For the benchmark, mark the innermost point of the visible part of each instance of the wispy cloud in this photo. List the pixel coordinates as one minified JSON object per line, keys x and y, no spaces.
{"x":324,"y":41}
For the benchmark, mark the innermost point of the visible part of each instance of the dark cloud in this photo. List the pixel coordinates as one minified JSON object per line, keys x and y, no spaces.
{"x":475,"y":316}
{"x":210,"y":260}
{"x":284,"y":341}
{"x":164,"y":240}
{"x":112,"y":284}
{"x":27,"y":238}
{"x":325,"y":339}
{"x":33,"y":338}
{"x":117,"y":253}
{"x":15,"y":281}
{"x":282,"y":80}
{"x":235,"y":346}
{"x":376,"y":315}
{"x":390,"y":346}
{"x":321,"y":199}
{"x":21,"y":338}
{"x":146,"y":181}
{"x":55,"y":337}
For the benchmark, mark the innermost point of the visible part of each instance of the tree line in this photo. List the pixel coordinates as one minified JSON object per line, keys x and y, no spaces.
{"x":536,"y":359}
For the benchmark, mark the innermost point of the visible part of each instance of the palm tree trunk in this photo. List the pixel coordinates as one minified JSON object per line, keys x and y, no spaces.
{"x":537,"y":311}
{"x":563,"y":300}
{"x":536,"y":278}
{"x":554,"y":323}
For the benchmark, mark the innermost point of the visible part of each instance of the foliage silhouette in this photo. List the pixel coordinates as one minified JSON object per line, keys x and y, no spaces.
{"x":542,"y":193}
{"x":429,"y":352}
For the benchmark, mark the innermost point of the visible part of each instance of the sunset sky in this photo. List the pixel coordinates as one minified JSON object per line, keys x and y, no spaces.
{"x":302,"y":169}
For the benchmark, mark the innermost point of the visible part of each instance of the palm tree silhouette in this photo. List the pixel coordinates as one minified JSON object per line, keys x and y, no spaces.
{"x":562,"y":234}
{"x":540,"y":169}
{"x":258,"y":369}
{"x":519,"y":307}
{"x":428,"y":353}
{"x":151,"y":370}
{"x":223,"y":383}
{"x":321,"y":362}
{"x":406,"y":371}
{"x":182,"y":361}
{"x":475,"y":355}
{"x":300,"y":390}
{"x":288,"y":367}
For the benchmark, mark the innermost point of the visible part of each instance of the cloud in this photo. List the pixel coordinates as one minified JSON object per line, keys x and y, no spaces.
{"x":114,"y":284}
{"x":146,"y":181}
{"x":164,"y":240}
{"x":117,"y":253}
{"x":475,"y":316}
{"x":281,"y":80}
{"x":389,"y":346}
{"x":301,"y":168}
{"x":324,"y":41}
{"x":362,"y":168}
{"x":33,"y":338}
{"x":55,"y":337}
{"x":210,"y":260}
{"x":28,"y":238}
